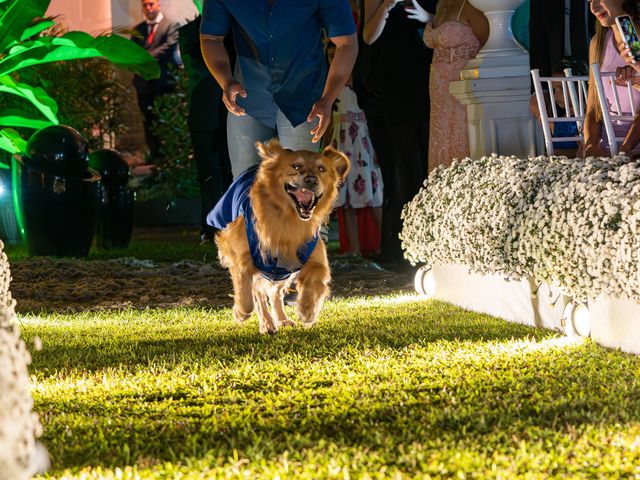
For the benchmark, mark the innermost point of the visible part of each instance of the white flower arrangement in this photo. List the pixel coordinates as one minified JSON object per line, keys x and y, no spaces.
{"x":20,"y":454}
{"x":574,"y":223}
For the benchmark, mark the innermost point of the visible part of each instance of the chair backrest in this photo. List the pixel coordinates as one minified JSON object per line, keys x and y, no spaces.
{"x":579,"y":93}
{"x":611,"y":113}
{"x":574,"y":96}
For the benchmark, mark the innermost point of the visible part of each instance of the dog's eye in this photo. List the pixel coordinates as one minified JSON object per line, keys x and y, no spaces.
{"x":296,"y":166}
{"x":322,"y":168}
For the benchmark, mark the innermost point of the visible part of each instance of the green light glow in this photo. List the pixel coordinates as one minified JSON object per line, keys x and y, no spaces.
{"x":15,"y":193}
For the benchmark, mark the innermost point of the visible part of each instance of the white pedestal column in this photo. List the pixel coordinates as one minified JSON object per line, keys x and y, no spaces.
{"x":496,"y":89}
{"x":501,"y":56}
{"x":498,"y":115}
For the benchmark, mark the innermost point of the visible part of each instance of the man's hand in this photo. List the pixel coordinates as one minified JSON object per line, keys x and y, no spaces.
{"x":418,"y":13}
{"x":322,"y":110}
{"x":229,"y":98}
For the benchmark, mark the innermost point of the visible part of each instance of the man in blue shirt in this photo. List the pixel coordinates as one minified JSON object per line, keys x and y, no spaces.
{"x":282,"y":86}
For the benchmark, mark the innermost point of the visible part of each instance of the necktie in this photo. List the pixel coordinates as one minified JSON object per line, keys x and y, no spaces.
{"x":152,"y":32}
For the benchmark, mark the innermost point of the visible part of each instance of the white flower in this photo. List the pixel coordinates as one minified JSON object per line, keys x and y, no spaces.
{"x":19,"y":426}
{"x":573,"y":222}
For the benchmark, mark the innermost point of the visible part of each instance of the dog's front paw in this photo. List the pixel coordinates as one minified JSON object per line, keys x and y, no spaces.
{"x":309,"y":324}
{"x":239,"y":315}
{"x":287,"y":322}
{"x":267,"y":329}
{"x":308,"y":315}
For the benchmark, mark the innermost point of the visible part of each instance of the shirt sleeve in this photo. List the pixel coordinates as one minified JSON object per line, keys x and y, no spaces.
{"x":337,"y":17}
{"x":216,"y":19}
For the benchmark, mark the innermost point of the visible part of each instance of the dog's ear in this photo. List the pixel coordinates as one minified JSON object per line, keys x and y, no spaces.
{"x":270,"y":149}
{"x":340,"y":161}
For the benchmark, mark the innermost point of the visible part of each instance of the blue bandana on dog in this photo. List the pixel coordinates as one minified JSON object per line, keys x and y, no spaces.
{"x":236,"y":202}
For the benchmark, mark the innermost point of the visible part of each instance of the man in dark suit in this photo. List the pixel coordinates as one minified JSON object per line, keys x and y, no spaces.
{"x":559,"y":33}
{"x":159,"y":36}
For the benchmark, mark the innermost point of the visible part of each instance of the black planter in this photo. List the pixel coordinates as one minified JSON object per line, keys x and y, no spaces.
{"x":117,"y":201}
{"x":58,"y":193}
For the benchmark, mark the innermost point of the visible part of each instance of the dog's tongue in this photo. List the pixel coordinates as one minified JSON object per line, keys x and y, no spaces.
{"x":304,"y":196}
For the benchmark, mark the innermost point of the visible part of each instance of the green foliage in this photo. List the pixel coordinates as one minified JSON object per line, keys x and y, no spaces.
{"x":386,"y":387}
{"x":22,"y":45}
{"x":177,"y":174}
{"x":97,"y":112}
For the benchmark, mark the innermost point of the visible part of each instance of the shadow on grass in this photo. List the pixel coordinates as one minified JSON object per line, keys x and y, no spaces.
{"x":92,"y":348}
{"x":484,"y":406}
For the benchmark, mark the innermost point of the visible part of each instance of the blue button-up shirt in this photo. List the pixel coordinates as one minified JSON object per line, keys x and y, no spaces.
{"x":281,"y":62}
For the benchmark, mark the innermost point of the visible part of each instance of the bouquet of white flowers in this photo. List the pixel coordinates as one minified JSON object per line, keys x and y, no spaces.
{"x":570,"y":222}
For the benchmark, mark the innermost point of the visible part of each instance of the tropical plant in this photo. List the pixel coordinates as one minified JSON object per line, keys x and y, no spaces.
{"x":23,"y":44}
{"x":176,"y":174}
{"x":100,"y":113}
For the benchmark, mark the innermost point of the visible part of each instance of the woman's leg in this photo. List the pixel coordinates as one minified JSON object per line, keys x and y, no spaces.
{"x":351,"y":227}
{"x":376,"y":214}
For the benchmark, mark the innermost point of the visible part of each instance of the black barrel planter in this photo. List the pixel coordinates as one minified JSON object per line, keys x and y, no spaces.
{"x":58,"y":193}
{"x":117,"y":201}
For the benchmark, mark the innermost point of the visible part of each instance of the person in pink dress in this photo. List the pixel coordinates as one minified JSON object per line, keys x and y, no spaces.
{"x":607,"y":48}
{"x":455,"y":33}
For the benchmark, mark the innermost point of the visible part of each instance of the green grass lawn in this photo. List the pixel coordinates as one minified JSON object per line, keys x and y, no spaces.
{"x":392,"y":387}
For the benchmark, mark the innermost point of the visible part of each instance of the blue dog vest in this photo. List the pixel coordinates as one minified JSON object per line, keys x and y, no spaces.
{"x":236,"y":202}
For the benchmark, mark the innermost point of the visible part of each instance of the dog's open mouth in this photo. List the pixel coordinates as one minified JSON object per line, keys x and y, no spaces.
{"x":305,"y":200}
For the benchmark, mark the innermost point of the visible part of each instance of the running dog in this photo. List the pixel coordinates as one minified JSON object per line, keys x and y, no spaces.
{"x":269,"y":221}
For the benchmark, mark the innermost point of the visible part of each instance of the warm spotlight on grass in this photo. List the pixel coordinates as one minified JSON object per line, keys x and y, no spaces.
{"x":384,"y":387}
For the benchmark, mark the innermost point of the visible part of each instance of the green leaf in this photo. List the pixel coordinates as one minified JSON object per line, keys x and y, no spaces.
{"x":11,"y":141}
{"x":17,"y":118}
{"x":35,"y":95}
{"x":119,"y":51}
{"x":76,"y":45}
{"x":36,"y":28}
{"x":17,"y":16}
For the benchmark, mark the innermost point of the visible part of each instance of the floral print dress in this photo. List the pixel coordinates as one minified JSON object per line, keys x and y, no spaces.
{"x":350,"y":135}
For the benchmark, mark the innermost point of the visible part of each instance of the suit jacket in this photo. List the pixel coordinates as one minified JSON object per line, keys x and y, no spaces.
{"x":546,"y":33}
{"x":164,"y":48}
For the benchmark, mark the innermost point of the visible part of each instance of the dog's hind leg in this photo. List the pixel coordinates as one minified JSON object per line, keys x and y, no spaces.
{"x":261,"y":287}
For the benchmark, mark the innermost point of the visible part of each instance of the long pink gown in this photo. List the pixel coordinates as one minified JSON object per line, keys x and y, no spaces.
{"x":453,"y":44}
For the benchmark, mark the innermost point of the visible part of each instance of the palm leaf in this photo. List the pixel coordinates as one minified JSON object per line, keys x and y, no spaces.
{"x":120,"y":51}
{"x":11,"y":141}
{"x":16,"y":16}
{"x":36,"y":28}
{"x":35,"y":95}
{"x":18,"y":118}
{"x":76,"y":45}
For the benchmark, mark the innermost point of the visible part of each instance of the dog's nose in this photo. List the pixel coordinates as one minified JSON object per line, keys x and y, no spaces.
{"x":311,"y":181}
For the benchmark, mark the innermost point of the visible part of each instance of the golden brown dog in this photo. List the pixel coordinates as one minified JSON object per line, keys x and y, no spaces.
{"x":291,"y":197}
